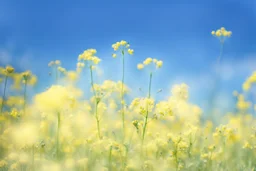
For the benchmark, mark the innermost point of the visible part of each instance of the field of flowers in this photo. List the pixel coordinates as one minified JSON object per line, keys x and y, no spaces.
{"x":63,"y":128}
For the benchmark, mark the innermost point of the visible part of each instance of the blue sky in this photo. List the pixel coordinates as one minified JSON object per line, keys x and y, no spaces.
{"x":32,"y":33}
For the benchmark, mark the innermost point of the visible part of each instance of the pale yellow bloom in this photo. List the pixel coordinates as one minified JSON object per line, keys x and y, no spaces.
{"x":130,"y":51}
{"x":57,"y":62}
{"x":147,"y":61}
{"x":114,"y":55}
{"x":159,"y":64}
{"x":140,"y":66}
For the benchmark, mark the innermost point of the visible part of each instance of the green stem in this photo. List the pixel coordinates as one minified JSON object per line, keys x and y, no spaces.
{"x":96,"y":104}
{"x":97,"y":119}
{"x":146,"y":118}
{"x":57,"y":78}
{"x":221,"y":52}
{"x":110,"y":158}
{"x":5,"y":85}
{"x":25,"y":93}
{"x":58,"y":134}
{"x":122,"y":95}
{"x":214,"y":91}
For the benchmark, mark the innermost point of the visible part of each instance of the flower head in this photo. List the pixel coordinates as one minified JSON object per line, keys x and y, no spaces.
{"x":123,"y":46}
{"x":222,"y":34}
{"x":148,"y":61}
{"x":89,"y":56}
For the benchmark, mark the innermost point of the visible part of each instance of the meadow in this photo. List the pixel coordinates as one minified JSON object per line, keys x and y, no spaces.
{"x":63,"y":128}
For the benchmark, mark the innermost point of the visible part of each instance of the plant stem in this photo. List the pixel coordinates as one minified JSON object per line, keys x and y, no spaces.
{"x":216,"y":80}
{"x":25,"y":93}
{"x":122,"y":95}
{"x":5,"y":84}
{"x":146,"y":118}
{"x":57,"y":74}
{"x":58,"y":134}
{"x":110,"y":158}
{"x":97,"y":119}
{"x":96,"y":104}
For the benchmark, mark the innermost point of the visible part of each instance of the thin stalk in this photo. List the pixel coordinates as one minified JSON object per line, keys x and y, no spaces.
{"x":221,"y":52}
{"x":97,"y":119}
{"x":110,"y":158}
{"x":216,"y":80}
{"x":57,"y":77}
{"x":96,"y":104}
{"x":5,"y":85}
{"x":146,"y":118}
{"x":122,"y":95}
{"x":58,"y":134}
{"x":24,"y":98}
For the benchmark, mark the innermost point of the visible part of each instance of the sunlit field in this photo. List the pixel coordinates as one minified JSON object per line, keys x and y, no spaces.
{"x":99,"y":126}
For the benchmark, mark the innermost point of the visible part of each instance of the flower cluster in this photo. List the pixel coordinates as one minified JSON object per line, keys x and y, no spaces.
{"x":122,"y":46}
{"x":148,"y":61}
{"x":222,"y":34}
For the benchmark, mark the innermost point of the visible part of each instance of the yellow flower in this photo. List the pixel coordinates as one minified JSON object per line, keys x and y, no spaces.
{"x":218,"y":33}
{"x":114,"y":55}
{"x":247,"y":145}
{"x":140,"y":66}
{"x":246,"y":86}
{"x":14,"y":113}
{"x":26,"y":75}
{"x":122,"y":45}
{"x":72,"y":76}
{"x":61,"y":69}
{"x":159,"y":64}
{"x":123,"y":42}
{"x":147,"y":61}
{"x":130,"y":51}
{"x":221,"y":33}
{"x":96,"y":60}
{"x":57,"y":62}
{"x":9,"y":69}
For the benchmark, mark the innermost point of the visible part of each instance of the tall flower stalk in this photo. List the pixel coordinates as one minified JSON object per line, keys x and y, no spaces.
{"x":146,"y":117}
{"x":157,"y":64}
{"x":88,"y":57}
{"x":124,"y":47}
{"x":97,"y":101}
{"x":7,"y":72}
{"x":28,"y":79}
{"x":222,"y":34}
{"x":25,"y":79}
{"x":122,"y":95}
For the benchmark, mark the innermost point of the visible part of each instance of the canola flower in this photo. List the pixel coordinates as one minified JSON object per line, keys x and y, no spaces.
{"x":222,"y":34}
{"x":158,"y":64}
{"x":89,"y":57}
{"x":124,"y":48}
